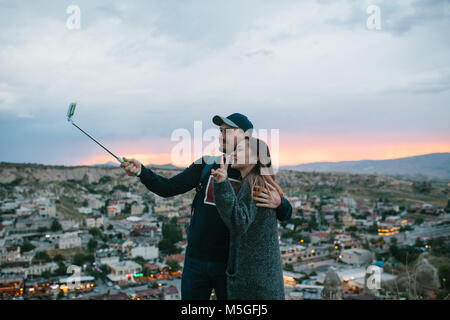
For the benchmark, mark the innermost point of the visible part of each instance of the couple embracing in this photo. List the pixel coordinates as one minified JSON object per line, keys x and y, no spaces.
{"x":233,"y":245}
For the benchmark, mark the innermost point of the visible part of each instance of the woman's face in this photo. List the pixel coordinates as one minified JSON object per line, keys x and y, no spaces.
{"x":243,"y":156}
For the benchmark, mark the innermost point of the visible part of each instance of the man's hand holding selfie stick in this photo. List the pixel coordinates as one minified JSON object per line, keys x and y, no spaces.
{"x":132,"y":167}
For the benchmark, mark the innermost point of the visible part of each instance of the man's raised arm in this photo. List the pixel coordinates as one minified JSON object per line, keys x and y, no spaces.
{"x":166,"y":187}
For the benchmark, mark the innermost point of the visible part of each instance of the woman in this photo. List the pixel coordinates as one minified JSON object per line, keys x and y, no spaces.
{"x":254,"y":269}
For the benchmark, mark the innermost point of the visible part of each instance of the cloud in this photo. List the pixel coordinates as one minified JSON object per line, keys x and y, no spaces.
{"x":397,"y":17}
{"x":141,"y":69}
{"x":263,"y":52}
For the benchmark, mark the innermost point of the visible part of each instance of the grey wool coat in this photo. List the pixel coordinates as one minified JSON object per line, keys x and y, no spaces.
{"x":254,"y":270}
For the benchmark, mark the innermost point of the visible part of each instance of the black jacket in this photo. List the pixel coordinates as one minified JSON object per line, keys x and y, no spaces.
{"x":208,"y":236}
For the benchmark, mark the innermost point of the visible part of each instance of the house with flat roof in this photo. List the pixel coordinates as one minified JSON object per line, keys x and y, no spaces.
{"x":123,"y":272}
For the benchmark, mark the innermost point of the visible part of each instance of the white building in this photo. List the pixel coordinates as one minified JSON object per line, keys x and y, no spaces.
{"x":349,"y":202}
{"x":173,"y":213}
{"x":145,"y":251}
{"x":107,"y":255}
{"x":68,"y":223}
{"x":23,"y":211}
{"x":94,"y":221}
{"x":69,"y":240}
{"x":113,"y":210}
{"x":95,"y":203}
{"x":38,"y":269}
{"x":122,"y":272}
{"x":32,"y":270}
{"x":6,"y":206}
{"x":85,"y":210}
{"x":356,"y":256}
{"x":48,"y":211}
{"x":41,"y":201}
{"x":8,"y":254}
{"x":137,"y":209}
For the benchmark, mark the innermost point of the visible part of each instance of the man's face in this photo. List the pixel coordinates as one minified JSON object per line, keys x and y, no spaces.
{"x":229,"y":138}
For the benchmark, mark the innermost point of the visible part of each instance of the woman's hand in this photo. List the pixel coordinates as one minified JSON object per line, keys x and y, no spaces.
{"x":267,"y":198}
{"x":221,"y":174}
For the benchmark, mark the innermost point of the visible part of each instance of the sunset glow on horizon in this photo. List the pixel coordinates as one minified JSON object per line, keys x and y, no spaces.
{"x":320,"y":149}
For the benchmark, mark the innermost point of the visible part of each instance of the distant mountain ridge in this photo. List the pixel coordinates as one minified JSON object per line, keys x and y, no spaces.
{"x":433,"y":165}
{"x":167,"y":166}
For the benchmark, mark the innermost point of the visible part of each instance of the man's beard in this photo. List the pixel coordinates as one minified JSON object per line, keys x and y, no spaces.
{"x":227,"y":149}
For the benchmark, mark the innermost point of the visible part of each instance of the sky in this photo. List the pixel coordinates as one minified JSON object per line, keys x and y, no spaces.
{"x":334,"y":87}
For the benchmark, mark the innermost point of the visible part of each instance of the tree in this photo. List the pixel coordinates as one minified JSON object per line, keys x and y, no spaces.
{"x":172,"y":232}
{"x":59,"y":258}
{"x":42,"y":229}
{"x":419,"y":243}
{"x":444,"y":275}
{"x":146,"y":271}
{"x":56,"y":226}
{"x":297,"y":222}
{"x":127,"y":209}
{"x":373,"y":228}
{"x":418,"y":220}
{"x":92,"y":244}
{"x":26,"y":246}
{"x":153,"y":285}
{"x":422,"y":187}
{"x":447,"y":208}
{"x":140,"y":260}
{"x":168,"y":247}
{"x":79,"y":259}
{"x":95,"y":232}
{"x":312,"y":224}
{"x":174,"y":265}
{"x":288,"y":267}
{"x":405,"y":228}
{"x":366,"y":245}
{"x":405,"y":255}
{"x":336,"y":217}
{"x":42,"y":255}
{"x":61,"y":271}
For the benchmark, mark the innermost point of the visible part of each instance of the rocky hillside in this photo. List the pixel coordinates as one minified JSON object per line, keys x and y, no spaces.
{"x":103,"y":179}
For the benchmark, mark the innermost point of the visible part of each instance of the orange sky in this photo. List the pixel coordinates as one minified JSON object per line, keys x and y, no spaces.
{"x":294,"y":150}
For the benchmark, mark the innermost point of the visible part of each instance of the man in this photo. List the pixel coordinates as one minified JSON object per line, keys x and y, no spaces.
{"x":208,"y":237}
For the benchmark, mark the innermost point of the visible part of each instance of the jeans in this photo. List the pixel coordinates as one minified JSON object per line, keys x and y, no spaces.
{"x":200,"y":277}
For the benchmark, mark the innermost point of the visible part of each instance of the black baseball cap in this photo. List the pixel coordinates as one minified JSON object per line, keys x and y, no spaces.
{"x":235,"y":120}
